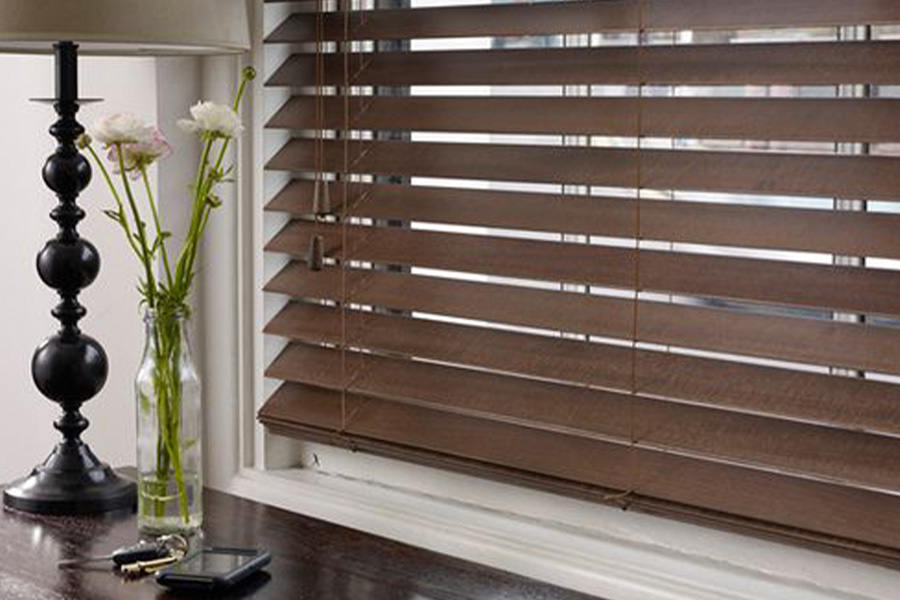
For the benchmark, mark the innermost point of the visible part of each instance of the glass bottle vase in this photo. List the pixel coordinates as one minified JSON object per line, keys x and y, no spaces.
{"x":169,"y":420}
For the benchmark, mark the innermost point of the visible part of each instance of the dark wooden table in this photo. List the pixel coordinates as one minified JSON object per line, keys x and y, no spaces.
{"x":311,"y":559}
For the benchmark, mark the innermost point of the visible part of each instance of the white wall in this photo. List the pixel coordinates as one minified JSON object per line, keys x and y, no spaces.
{"x":26,"y":433}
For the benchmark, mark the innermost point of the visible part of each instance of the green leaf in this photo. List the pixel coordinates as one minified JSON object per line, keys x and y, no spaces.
{"x":144,"y":403}
{"x":114,"y":215}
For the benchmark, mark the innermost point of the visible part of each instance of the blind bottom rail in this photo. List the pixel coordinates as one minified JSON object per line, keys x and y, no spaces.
{"x":313,"y":414}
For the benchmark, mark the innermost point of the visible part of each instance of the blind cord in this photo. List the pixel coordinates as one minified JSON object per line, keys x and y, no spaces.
{"x":346,"y":48}
{"x":625,"y":499}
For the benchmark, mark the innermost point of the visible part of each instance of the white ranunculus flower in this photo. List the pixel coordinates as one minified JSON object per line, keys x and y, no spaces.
{"x":212,"y":119}
{"x":121,"y":128}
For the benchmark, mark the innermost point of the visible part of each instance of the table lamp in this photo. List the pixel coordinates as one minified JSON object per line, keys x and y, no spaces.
{"x":70,"y":368}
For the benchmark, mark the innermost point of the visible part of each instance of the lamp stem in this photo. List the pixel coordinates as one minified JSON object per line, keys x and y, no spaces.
{"x":66,"y":72}
{"x":69,"y":368}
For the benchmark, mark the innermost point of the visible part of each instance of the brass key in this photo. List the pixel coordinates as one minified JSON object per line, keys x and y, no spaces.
{"x":146,"y":567}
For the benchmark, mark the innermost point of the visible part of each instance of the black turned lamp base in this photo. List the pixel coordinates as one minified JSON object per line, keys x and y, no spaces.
{"x":72,"y":481}
{"x":69,"y":368}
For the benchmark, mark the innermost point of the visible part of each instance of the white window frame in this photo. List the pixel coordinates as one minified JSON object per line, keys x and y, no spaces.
{"x":595,"y":549}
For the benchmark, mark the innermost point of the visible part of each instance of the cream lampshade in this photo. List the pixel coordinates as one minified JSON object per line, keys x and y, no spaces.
{"x":69,"y":367}
{"x":117,"y":27}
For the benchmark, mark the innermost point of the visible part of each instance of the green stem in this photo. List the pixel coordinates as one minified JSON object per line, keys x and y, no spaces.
{"x":156,"y":222}
{"x":202,"y":201}
{"x":174,"y":436}
{"x":182,"y":273}
{"x":205,"y":221}
{"x":123,"y":222}
{"x":142,"y":234}
{"x":240,"y":94}
{"x":167,"y":384}
{"x":161,"y":487}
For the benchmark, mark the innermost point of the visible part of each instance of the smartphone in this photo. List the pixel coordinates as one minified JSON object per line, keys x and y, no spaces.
{"x":214,"y":568}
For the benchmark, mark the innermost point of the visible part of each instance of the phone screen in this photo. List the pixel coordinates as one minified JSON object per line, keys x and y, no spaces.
{"x":212,"y":563}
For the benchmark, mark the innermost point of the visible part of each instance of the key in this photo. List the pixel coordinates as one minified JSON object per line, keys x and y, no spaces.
{"x":121,"y":556}
{"x":146,"y":567}
{"x":142,"y":551}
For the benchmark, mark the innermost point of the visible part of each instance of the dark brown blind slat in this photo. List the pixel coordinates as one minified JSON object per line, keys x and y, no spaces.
{"x":584,"y":17}
{"x":570,"y":461}
{"x":538,"y":356}
{"x":809,"y":397}
{"x":467,"y":21}
{"x":873,"y":177}
{"x":820,"y":452}
{"x":756,"y":64}
{"x":847,"y":345}
{"x":828,"y":231}
{"x":702,"y":14}
{"x":792,"y":119}
{"x":513,"y":352}
{"x":812,"y":285}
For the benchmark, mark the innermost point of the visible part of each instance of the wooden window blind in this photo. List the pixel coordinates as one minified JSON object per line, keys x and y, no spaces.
{"x":639,"y":251}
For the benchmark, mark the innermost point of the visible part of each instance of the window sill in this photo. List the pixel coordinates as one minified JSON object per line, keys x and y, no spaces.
{"x":589,"y":548}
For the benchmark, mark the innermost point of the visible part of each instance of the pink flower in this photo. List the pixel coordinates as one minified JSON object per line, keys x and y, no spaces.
{"x":140,"y":155}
